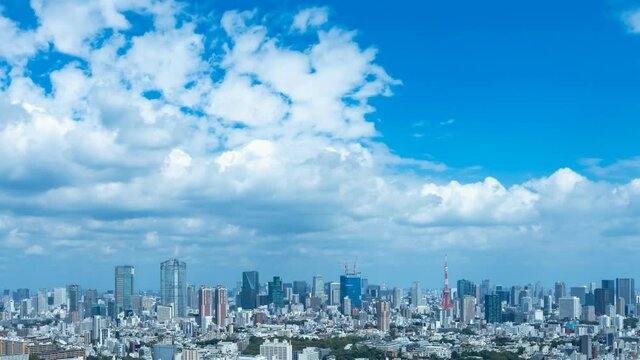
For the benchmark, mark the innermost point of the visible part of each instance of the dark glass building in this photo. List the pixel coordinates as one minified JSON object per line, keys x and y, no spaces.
{"x":276,"y":292}
{"x":124,"y":287}
{"x":250,"y":290}
{"x":173,"y":286}
{"x":351,"y":287}
{"x":611,"y":286}
{"x":492,"y":308}
{"x":625,"y":288}
{"x":466,"y":287}
{"x":602,"y":299}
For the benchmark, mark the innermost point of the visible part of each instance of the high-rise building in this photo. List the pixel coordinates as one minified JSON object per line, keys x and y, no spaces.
{"x":351,"y":287}
{"x":397,"y":297}
{"x":173,"y":286}
{"x":383,"y":315}
{"x":569,"y":308}
{"x":580,"y":292}
{"x":601,"y":299}
{"x":250,"y":290}
{"x":547,"y":304}
{"x":468,"y":309}
{"x":611,"y":286}
{"x":416,"y":295}
{"x":300,"y":288}
{"x":559,"y":291}
{"x":124,"y":287}
{"x":42,"y":304}
{"x":275,"y":292}
{"x":334,"y":293}
{"x":317,"y":287}
{"x":192,"y":297}
{"x":492,"y":308}
{"x":625,"y":288}
{"x":74,"y":297}
{"x":59,"y":297}
{"x":585,"y":346}
{"x":205,"y":308}
{"x":276,"y":350}
{"x":346,"y":306}
{"x":466,"y":287}
{"x":221,"y":306}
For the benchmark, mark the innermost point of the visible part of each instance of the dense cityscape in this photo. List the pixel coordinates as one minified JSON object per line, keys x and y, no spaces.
{"x":349,"y":318}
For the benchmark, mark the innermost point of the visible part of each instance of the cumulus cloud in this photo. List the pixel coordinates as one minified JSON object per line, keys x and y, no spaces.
{"x":249,"y":145}
{"x":310,"y":18}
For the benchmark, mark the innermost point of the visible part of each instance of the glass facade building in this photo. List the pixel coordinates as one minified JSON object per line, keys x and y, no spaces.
{"x":123,"y":287}
{"x":351,"y":287}
{"x":173,"y":285}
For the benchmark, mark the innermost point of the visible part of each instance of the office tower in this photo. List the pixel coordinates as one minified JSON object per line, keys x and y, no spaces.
{"x":346,"y":306}
{"x":625,"y":289}
{"x":364,"y":282}
{"x":317,"y":287}
{"x":163,"y":352}
{"x":276,"y":294}
{"x":300,"y":288}
{"x":250,"y":290}
{"x":547,"y":303}
{"x":416,"y":295}
{"x":466,"y":287}
{"x":611,"y":286}
{"x":205,"y":303}
{"x":276,"y":350}
{"x":59,"y":297}
{"x":190,"y":354}
{"x":383,"y":315}
{"x":620,"y":306}
{"x":351,"y":287}
{"x":585,"y":346}
{"x":569,"y":308}
{"x":221,"y":306}
{"x":397,"y":297}
{"x":42,"y":302}
{"x":96,"y":328}
{"x":580,"y":292}
{"x":601,"y":297}
{"x":173,"y":286}
{"x":74,"y":297}
{"x":192,"y":297}
{"x":468,"y":309}
{"x":20,"y":294}
{"x":492,"y":308}
{"x":334,"y":293}
{"x":123,"y":287}
{"x":588,"y":313}
{"x":526,"y":304}
{"x":559,"y":291}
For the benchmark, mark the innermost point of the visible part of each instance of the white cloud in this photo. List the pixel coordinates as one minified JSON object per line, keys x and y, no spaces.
{"x":34,"y":250}
{"x":152,"y":239}
{"x":632,"y":20}
{"x":310,"y":18}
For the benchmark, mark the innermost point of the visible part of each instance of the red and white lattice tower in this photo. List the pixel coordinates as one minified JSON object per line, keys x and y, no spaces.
{"x":446,"y":296}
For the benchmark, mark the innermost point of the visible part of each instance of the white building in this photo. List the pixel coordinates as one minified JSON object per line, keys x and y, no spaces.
{"x":59,"y":296}
{"x":276,"y":350}
{"x":569,"y":308}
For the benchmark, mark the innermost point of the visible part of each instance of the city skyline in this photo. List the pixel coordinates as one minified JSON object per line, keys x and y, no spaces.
{"x":291,"y":137}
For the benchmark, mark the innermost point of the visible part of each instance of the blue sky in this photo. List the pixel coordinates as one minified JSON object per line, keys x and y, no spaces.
{"x":288,"y":137}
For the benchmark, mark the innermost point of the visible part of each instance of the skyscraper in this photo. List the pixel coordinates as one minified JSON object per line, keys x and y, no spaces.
{"x":351,"y":287}
{"x":468,"y":309}
{"x":416,"y":295}
{"x":173,"y":285}
{"x":383,"y":315}
{"x":74,"y":297}
{"x":580,"y":292}
{"x":250,"y":290}
{"x":611,"y":286}
{"x":275,"y":291}
{"x":625,"y":288}
{"x":601,"y":300}
{"x":123,"y":287}
{"x":334,"y":293}
{"x":559,"y":291}
{"x":492,"y":308}
{"x":205,"y":308}
{"x":300,"y":288}
{"x":220,"y":302}
{"x":569,"y":308}
{"x":317,"y":287}
{"x":397,"y":297}
{"x":466,"y":287}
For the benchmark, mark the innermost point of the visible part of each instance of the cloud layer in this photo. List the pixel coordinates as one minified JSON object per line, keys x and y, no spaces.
{"x":239,"y":140}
